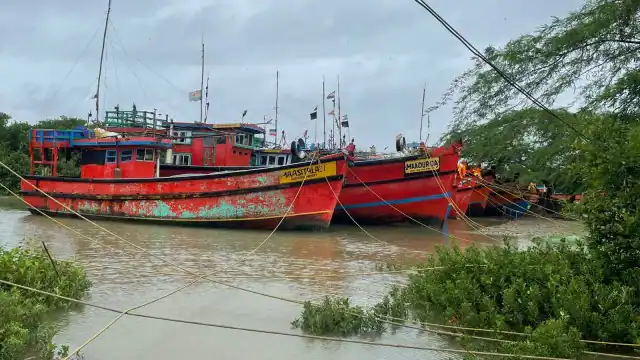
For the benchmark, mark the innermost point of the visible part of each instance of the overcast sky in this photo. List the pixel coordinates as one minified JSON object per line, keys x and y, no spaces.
{"x":383,"y":51}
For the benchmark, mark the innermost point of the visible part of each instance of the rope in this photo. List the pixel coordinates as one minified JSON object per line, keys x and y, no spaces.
{"x":465,"y":218}
{"x":401,"y":212}
{"x":526,"y":210}
{"x":95,"y":336}
{"x":532,"y":203}
{"x":237,"y":287}
{"x":272,"y":332}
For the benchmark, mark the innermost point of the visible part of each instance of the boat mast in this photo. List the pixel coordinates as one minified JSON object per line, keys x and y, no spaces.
{"x":424,"y":91}
{"x":324,"y":117}
{"x":206,"y":98}
{"x":202,"y":81}
{"x":339,"y":124}
{"x":277,"y":90}
{"x":104,"y":40}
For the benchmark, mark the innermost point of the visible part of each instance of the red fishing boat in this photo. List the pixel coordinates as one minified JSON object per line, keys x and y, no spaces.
{"x":120,"y":180}
{"x":417,"y":185}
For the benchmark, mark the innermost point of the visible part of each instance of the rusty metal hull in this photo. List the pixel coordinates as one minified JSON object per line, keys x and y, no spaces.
{"x":256,"y":199}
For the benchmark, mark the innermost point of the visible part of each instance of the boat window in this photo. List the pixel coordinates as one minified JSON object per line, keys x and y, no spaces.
{"x":263,"y":160}
{"x":144,"y":155}
{"x":181,"y":137}
{"x":220,"y":140}
{"x":110,"y":156}
{"x":182,"y":159}
{"x":126,"y":155}
{"x":272,"y":160}
{"x":207,"y":141}
{"x":280,"y":160}
{"x":88,"y":157}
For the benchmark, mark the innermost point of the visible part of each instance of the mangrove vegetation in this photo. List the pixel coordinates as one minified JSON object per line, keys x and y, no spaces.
{"x":27,"y":325}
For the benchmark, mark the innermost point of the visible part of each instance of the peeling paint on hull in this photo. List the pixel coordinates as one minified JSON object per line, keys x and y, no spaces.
{"x":246,"y":199}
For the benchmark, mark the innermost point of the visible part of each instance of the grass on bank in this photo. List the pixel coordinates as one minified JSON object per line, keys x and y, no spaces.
{"x":554,"y":292}
{"x":26,"y":329}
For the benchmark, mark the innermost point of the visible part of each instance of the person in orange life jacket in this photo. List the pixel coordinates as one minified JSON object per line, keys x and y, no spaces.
{"x":462,"y":169}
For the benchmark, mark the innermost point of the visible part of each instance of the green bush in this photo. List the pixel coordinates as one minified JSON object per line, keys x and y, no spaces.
{"x":25,"y":326}
{"x":554,"y":292}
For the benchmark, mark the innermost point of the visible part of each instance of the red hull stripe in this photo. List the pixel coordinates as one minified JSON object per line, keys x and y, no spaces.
{"x":394,"y":202}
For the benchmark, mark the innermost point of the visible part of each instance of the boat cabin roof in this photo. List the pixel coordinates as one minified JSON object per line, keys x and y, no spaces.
{"x":112,"y":142}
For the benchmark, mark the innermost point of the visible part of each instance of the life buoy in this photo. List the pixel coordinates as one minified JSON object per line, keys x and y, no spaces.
{"x":401,"y":143}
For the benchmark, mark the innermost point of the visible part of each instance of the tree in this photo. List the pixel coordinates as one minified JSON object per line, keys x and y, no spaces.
{"x":594,"y":52}
{"x":528,"y":142}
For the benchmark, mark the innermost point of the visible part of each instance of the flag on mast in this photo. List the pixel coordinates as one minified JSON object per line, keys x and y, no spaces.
{"x":345,"y":121}
{"x":332,"y":95}
{"x":272,"y":132}
{"x":195,"y":95}
{"x":314,"y":114}
{"x":331,"y":112}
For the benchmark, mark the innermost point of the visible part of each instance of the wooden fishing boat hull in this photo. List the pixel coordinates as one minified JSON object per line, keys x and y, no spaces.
{"x":410,"y":184}
{"x":462,"y":198}
{"x":256,"y":198}
{"x":504,"y":203}
{"x":478,"y":200}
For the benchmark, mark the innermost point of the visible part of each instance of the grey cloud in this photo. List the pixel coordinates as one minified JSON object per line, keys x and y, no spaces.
{"x":383,"y":51}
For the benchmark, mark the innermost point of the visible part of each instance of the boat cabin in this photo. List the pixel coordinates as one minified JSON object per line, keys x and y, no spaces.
{"x":194,"y":144}
{"x":102,"y":154}
{"x":271,"y":157}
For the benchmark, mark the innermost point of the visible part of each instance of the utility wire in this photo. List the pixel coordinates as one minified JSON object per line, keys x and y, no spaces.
{"x":502,"y":74}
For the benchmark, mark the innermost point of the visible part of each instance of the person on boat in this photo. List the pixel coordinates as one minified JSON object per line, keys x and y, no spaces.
{"x":462,"y":169}
{"x":422,"y":148}
{"x":351,"y":148}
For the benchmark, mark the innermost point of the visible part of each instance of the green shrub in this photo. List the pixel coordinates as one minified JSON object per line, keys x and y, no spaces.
{"x":25,"y":326}
{"x":554,"y":292}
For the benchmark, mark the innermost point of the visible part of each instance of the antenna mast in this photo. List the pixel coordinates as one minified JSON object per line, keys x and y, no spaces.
{"x":277,"y":90}
{"x":104,"y":40}
{"x":324,"y":118}
{"x":424,"y":91}
{"x":202,"y":80}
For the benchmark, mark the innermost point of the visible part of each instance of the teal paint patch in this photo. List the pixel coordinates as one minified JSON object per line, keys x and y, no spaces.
{"x":89,"y":207}
{"x":162,"y":210}
{"x":223,"y":210}
{"x":263,"y":180}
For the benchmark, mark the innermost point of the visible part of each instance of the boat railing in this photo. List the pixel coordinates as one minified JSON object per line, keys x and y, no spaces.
{"x":133,"y":119}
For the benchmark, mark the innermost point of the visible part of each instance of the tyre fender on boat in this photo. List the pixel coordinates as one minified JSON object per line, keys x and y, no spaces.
{"x":297,"y":149}
{"x":401,"y":143}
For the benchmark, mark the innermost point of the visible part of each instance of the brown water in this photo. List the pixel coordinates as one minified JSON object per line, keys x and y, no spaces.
{"x":122,"y":281}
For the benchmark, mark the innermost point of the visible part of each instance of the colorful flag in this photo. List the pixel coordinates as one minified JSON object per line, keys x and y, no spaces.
{"x":331,"y":112}
{"x":272,"y":132}
{"x":314,"y":114}
{"x":195,"y":95}
{"x":332,"y":95}
{"x":305,"y":134}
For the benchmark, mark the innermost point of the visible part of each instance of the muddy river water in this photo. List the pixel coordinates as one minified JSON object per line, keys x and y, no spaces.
{"x":293,"y":265}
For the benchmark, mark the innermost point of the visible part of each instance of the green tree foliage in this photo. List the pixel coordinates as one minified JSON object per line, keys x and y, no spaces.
{"x":528,"y":142}
{"x":593,"y":52}
{"x":592,"y":58}
{"x":26,"y":328}
{"x":14,"y":148}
